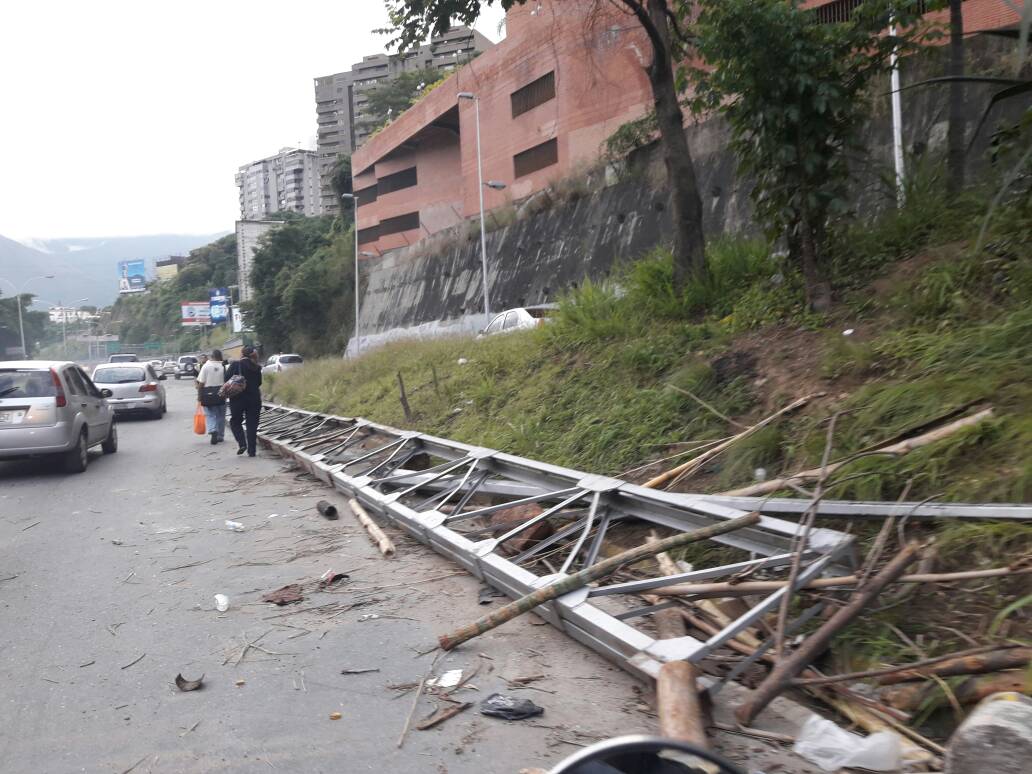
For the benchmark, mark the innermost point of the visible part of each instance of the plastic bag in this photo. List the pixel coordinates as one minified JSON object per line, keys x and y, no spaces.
{"x":822,"y":742}
{"x":198,"y":420}
{"x":509,"y":707}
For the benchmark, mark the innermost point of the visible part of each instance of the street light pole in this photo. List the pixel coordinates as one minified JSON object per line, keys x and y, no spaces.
{"x":17,"y":303}
{"x":354,"y":228}
{"x":480,"y":191}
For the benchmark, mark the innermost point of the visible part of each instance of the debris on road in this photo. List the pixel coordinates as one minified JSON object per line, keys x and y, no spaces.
{"x":499,"y":705}
{"x":489,"y":594}
{"x":240,"y":683}
{"x":234,"y":526}
{"x":331,"y":577}
{"x":189,"y":685}
{"x":382,"y":541}
{"x":359,"y":671}
{"x":287,"y":595}
{"x":442,"y":714}
{"x":823,"y":743}
{"x":335,"y":716}
{"x":681,"y":712}
{"x":449,"y":679}
{"x":135,"y":661}
{"x":327,"y":509}
{"x":221,"y":603}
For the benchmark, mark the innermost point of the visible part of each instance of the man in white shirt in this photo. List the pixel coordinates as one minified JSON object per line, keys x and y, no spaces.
{"x":209,"y":379}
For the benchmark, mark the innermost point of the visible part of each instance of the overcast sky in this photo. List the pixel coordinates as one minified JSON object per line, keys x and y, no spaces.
{"x":122,"y":117}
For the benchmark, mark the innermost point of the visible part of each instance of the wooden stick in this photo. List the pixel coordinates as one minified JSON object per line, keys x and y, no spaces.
{"x":382,"y":541}
{"x":442,"y":715}
{"x":971,"y":664}
{"x":779,"y":679}
{"x":912,"y":696}
{"x":853,"y":676}
{"x":697,"y":462}
{"x":404,"y":399}
{"x":765,"y":587}
{"x":669,"y":623}
{"x":681,"y":715}
{"x":894,"y":450}
{"x":586,"y":576}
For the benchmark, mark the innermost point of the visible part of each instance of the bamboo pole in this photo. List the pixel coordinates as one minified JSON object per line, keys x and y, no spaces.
{"x":382,"y":541}
{"x":848,"y":677}
{"x":586,"y":576}
{"x":681,"y":714}
{"x":782,"y":675}
{"x":894,"y":450}
{"x":974,"y":664}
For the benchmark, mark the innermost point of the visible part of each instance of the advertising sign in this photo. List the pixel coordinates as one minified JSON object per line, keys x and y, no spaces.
{"x":196,"y":312}
{"x":238,"y":320}
{"x":218,"y":301}
{"x":132,"y":276}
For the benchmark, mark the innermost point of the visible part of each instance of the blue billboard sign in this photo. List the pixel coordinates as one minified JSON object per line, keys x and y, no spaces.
{"x":218,"y":300}
{"x":132,"y":276}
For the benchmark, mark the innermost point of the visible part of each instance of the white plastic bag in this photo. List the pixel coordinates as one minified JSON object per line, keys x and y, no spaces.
{"x":822,"y":742}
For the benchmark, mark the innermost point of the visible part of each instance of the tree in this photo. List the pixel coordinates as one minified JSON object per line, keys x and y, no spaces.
{"x":793,"y":91}
{"x":390,"y":98}
{"x":412,"y":21}
{"x":955,"y":127}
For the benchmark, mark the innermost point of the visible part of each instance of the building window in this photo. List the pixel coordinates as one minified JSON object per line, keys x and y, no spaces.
{"x":366,"y":195}
{"x":840,"y":11}
{"x":533,"y":94}
{"x":407,"y":222}
{"x":540,"y":156}
{"x":367,"y":235}
{"x":406,"y":178}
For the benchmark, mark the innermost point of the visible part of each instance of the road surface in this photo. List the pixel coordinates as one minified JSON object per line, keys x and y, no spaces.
{"x":107,"y":584}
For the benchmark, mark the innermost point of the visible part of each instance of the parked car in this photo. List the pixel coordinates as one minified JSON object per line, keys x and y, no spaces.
{"x":156,"y":364}
{"x":53,"y":409}
{"x":134,"y":387}
{"x":278,"y":363}
{"x":125,"y":357}
{"x":519,"y":319}
{"x":186,"y":366}
{"x":168,"y":367}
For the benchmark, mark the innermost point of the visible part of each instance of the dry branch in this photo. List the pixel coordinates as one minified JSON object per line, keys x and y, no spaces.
{"x":681,"y":713}
{"x":893,"y":670}
{"x":382,"y":541}
{"x":893,"y":450}
{"x":995,"y":661}
{"x":586,"y":576}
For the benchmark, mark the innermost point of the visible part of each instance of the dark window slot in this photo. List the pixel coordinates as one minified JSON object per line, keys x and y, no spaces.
{"x":535,"y":93}
{"x":406,"y":178}
{"x":540,"y":156}
{"x":407,"y":222}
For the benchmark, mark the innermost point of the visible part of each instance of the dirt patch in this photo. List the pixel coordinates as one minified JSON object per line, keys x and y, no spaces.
{"x":787,"y":363}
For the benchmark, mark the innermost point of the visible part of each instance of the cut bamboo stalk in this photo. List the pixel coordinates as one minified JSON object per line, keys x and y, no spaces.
{"x":681,"y":714}
{"x":382,"y":541}
{"x":996,"y":661}
{"x":782,"y":675}
{"x":895,"y":450}
{"x":586,"y":576}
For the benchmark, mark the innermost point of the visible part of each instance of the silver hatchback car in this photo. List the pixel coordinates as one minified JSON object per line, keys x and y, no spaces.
{"x":135,"y":387}
{"x":52,"y":408}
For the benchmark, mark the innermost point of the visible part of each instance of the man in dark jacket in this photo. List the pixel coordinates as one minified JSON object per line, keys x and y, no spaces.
{"x":247,"y":406}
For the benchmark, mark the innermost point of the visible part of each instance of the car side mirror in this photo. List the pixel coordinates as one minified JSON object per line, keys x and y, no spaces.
{"x":106,"y":393}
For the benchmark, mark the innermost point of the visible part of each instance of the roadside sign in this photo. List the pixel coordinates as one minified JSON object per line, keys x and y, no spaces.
{"x":195,"y":312}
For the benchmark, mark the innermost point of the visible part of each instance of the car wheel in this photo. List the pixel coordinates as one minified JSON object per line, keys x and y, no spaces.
{"x":76,"y":460}
{"x":157,"y":413}
{"x":110,"y":445}
{"x":164,"y":407}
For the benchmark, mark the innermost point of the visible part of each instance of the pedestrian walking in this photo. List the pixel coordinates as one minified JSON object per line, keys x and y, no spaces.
{"x":246,"y":407}
{"x":209,"y":381}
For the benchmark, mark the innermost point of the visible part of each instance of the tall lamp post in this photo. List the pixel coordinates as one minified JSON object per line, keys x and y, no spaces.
{"x":480,"y":189}
{"x":17,"y":303}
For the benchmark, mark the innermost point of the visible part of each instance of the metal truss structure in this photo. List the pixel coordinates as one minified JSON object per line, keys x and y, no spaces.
{"x":444,"y":495}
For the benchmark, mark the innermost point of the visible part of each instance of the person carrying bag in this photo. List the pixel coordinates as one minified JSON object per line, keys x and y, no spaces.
{"x":210,"y":379}
{"x":245,"y":403}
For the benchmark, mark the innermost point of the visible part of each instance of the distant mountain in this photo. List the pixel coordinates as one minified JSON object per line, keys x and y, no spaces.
{"x":87,"y":266}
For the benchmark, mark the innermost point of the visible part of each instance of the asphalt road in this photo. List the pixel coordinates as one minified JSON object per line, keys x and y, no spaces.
{"x":107,"y":584}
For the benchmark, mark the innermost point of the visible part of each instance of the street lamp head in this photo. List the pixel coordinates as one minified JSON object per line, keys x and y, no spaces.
{"x":367,"y":254}
{"x":495,"y":184}
{"x":466,"y":95}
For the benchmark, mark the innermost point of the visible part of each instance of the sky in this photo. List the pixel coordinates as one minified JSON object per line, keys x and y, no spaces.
{"x":125,"y":117}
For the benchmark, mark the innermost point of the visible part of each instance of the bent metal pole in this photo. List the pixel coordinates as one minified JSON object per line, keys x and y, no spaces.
{"x":586,"y":576}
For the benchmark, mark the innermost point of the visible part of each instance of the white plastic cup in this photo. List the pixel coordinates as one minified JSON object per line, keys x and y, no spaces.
{"x":221,"y":603}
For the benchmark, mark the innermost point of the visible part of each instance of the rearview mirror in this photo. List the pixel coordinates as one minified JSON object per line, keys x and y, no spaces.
{"x":106,"y":393}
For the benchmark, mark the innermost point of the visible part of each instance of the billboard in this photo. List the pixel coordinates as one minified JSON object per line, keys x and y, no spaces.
{"x":196,"y":312}
{"x":132,"y":276}
{"x":218,"y":301}
{"x":238,"y":320}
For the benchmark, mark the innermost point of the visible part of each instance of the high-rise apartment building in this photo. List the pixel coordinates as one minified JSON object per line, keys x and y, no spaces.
{"x":249,"y":234}
{"x":340,"y":99}
{"x":286,"y":182}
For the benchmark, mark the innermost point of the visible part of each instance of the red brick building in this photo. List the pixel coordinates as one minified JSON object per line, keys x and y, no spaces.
{"x":568,"y":74}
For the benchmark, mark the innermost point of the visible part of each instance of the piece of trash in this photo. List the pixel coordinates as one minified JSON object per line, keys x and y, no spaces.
{"x":449,"y":679}
{"x":760,"y":474}
{"x":189,"y":685}
{"x":240,"y":682}
{"x":287,"y":595}
{"x":509,"y":707}
{"x":823,"y":743}
{"x":368,"y":617}
{"x":273,"y":515}
{"x":488,"y":594}
{"x":327,"y":509}
{"x":847,"y":332}
{"x":359,"y":671}
{"x":221,"y":603}
{"x":330,"y":577}
{"x":335,"y":716}
{"x":462,"y":361}
{"x":116,"y":542}
{"x":235,"y":526}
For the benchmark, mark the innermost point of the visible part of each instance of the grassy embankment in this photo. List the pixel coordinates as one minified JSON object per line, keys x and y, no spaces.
{"x":935,"y":326}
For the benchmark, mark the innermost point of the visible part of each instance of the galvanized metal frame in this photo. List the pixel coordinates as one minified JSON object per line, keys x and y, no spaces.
{"x":365,"y":460}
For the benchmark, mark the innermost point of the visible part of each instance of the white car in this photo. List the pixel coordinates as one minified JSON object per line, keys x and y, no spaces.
{"x":519,"y":319}
{"x":134,"y":388}
{"x":279,"y":363}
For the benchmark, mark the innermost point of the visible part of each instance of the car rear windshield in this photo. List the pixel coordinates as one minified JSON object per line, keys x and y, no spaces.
{"x":291,"y":359}
{"x":26,"y":383}
{"x":539,"y":312}
{"x":119,"y":375}
{"x":188,"y":359}
{"x":123,"y":359}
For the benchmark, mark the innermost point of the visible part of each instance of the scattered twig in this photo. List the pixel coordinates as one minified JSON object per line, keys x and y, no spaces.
{"x":24,"y":529}
{"x":706,"y":406}
{"x":135,"y":661}
{"x":88,"y":663}
{"x":191,"y":728}
{"x":415,"y":701}
{"x":184,"y":566}
{"x":442,"y":715}
{"x":892,"y":670}
{"x":359,"y":671}
{"x":145,"y":757}
{"x":382,"y":541}
{"x":127,"y":577}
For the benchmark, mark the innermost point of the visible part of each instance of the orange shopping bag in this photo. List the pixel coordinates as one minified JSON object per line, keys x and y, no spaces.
{"x":198,"y":420}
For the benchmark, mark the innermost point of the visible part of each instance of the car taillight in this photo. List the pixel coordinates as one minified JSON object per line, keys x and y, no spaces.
{"x":58,"y":389}
{"x":149,"y":387}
